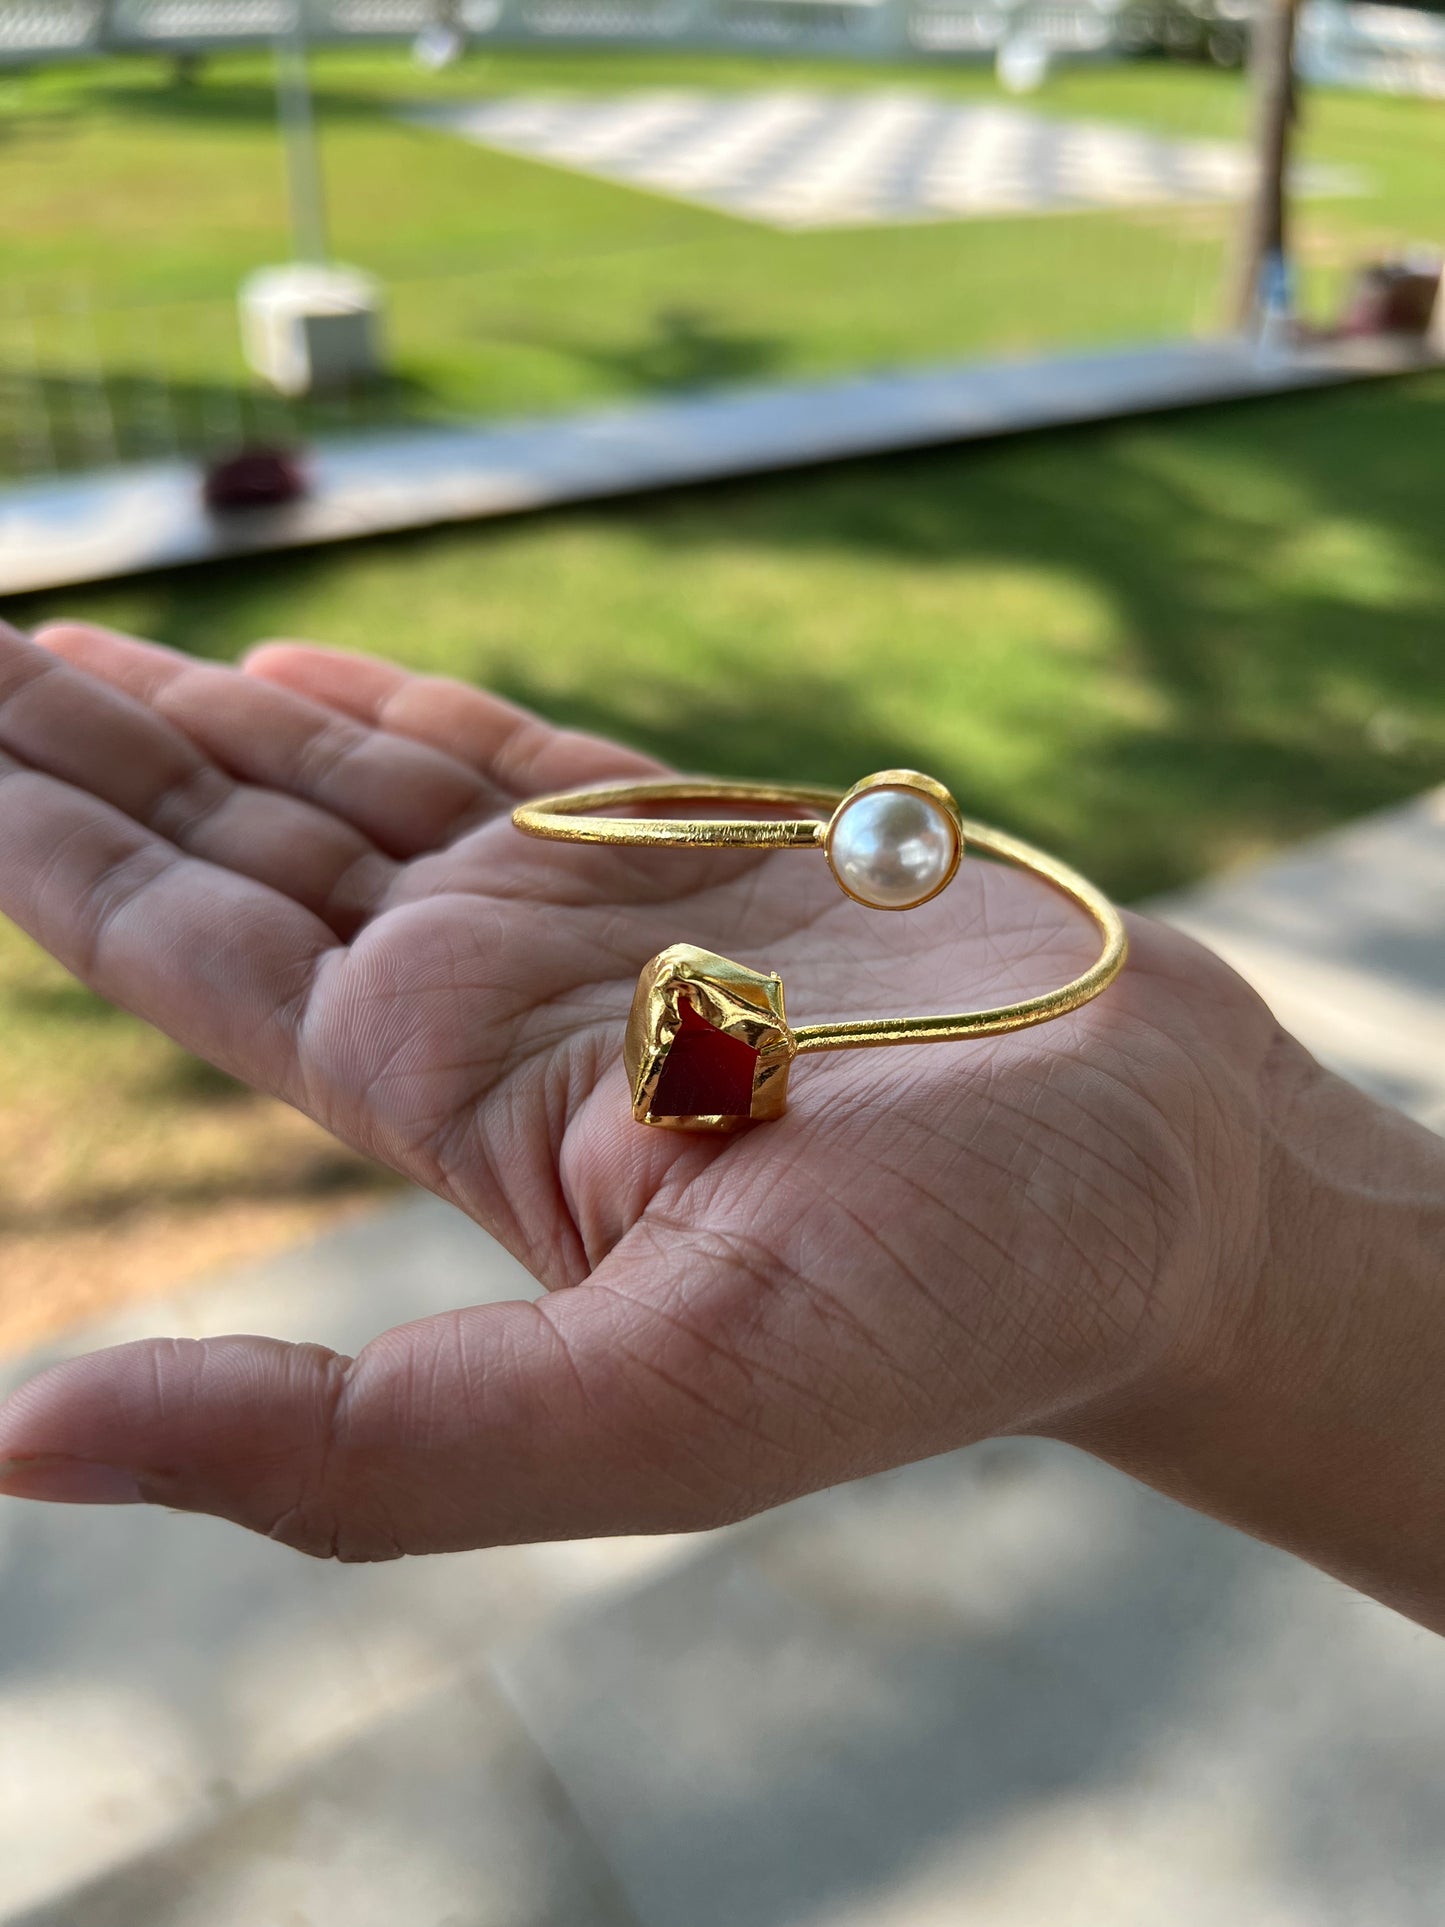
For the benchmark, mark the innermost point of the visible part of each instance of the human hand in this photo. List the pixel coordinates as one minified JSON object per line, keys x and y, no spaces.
{"x":305,"y":872}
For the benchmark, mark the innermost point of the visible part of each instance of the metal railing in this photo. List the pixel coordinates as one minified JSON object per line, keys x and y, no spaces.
{"x":1391,"y":49}
{"x":33,"y":30}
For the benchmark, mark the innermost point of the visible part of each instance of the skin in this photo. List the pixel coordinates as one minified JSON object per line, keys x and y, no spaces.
{"x":304,"y":870}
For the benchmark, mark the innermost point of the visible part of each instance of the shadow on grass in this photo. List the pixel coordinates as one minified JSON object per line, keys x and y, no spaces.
{"x":58,"y":423}
{"x":338,"y":1174}
{"x":822,"y":730}
{"x":686,"y":348}
{"x":69,"y":1003}
{"x":1263,"y":589}
{"x":1271,"y":574}
{"x":213,"y":98}
{"x":195,"y":1084}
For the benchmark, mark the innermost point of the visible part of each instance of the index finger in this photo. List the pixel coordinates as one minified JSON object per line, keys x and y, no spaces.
{"x":514,"y":748}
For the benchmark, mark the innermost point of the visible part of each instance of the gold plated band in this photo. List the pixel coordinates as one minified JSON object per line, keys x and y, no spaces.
{"x":684,"y":990}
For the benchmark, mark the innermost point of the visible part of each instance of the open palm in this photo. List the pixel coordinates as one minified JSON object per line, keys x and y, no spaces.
{"x":306,"y":872}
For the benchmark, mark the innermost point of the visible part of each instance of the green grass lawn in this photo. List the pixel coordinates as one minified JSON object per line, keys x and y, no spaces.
{"x":132,"y":208}
{"x":1160,"y":648}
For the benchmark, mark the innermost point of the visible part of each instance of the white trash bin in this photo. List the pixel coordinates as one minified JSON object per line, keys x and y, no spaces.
{"x":308,"y":329}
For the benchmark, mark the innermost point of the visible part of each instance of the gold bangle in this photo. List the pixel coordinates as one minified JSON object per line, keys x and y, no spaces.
{"x":708,"y":1046}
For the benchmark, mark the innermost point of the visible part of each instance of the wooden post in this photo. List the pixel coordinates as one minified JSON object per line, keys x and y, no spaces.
{"x":1265,"y":229}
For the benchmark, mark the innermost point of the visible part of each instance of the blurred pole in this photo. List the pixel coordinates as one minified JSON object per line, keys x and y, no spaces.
{"x":39,"y":434}
{"x":444,"y":38}
{"x":1264,"y":232}
{"x":298,"y":128}
{"x":91,"y":412}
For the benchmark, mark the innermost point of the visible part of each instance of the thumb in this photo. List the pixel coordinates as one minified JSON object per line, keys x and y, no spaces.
{"x":587,"y":1413}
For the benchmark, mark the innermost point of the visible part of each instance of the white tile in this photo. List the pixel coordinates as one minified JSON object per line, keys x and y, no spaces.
{"x":1345,"y":939}
{"x":442,"y":1817}
{"x":157,"y":1669}
{"x":1006,"y":1688}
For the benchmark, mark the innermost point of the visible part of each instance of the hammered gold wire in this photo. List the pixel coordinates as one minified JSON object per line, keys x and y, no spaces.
{"x":567,"y":818}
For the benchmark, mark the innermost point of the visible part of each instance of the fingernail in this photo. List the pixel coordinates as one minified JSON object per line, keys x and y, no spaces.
{"x":64,"y":1481}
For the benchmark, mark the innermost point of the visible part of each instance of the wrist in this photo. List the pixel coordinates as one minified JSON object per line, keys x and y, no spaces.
{"x":1305,"y":1404}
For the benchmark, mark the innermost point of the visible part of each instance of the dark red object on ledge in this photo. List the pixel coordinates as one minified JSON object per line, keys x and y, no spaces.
{"x":254,"y":478}
{"x":1393,"y":297}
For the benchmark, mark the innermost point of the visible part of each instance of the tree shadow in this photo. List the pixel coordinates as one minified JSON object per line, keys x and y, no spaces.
{"x":216,"y":98}
{"x":71,"y":1003}
{"x":687,"y":347}
{"x":19,"y":120}
{"x":192,"y":1081}
{"x":1271,"y":637}
{"x":800,"y":1721}
{"x":1254,"y":561}
{"x":323,"y":1174}
{"x":819,"y":729}
{"x":871,"y":1716}
{"x":57,"y":423}
{"x":118,"y":410}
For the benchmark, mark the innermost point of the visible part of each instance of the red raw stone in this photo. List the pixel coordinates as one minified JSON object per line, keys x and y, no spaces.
{"x":706,"y":1073}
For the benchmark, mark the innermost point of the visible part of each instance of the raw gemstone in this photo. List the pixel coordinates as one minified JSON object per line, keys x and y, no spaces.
{"x":706,"y":1073}
{"x":707,"y":1046}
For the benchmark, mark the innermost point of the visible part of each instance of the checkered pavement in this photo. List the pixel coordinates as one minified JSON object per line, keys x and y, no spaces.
{"x":795,"y":158}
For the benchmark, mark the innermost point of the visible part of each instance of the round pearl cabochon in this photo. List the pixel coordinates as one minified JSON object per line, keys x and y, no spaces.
{"x":892,"y":848}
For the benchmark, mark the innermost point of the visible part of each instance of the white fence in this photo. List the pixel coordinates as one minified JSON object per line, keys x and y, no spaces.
{"x":1388,"y":49}
{"x":55,"y":29}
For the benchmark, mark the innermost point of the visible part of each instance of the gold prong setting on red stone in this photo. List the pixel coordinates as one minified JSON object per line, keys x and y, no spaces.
{"x":708,"y":1045}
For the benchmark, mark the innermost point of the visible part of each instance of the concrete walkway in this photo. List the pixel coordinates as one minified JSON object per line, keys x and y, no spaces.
{"x":87,"y":528}
{"x":1007,"y":1688}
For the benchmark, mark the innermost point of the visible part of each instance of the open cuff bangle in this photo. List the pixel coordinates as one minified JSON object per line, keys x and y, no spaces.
{"x":708,"y":1044}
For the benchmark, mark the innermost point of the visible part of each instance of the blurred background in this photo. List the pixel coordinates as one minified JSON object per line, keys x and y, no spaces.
{"x":240,"y":241}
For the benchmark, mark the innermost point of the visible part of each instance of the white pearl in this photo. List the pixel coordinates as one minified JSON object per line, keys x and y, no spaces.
{"x":892,"y":848}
